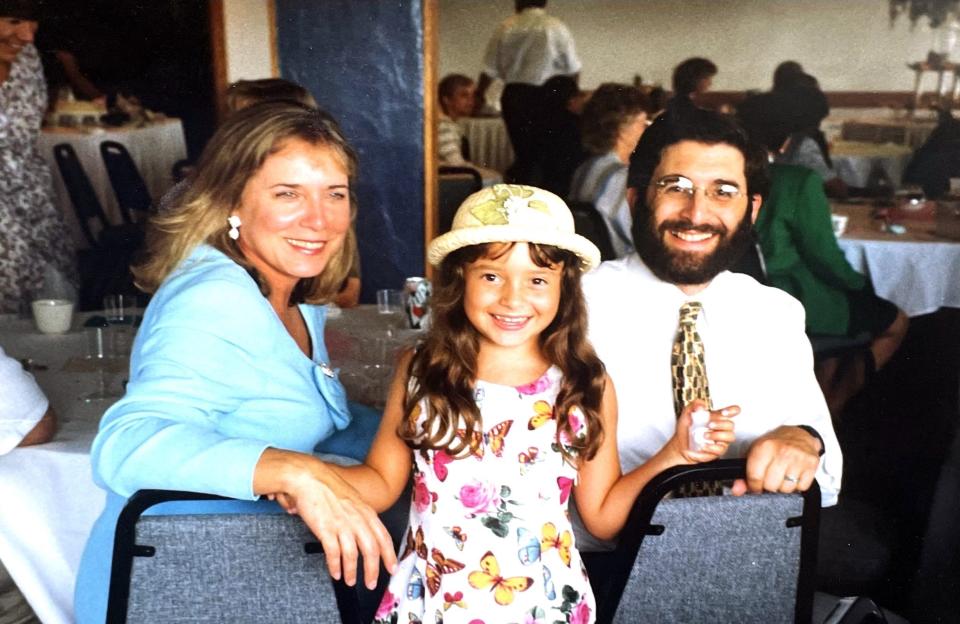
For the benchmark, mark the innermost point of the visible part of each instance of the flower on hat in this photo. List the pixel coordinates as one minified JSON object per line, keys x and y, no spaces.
{"x":508,"y":202}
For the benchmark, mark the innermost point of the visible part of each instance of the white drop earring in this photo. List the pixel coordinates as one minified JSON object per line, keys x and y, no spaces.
{"x":234,"y":222}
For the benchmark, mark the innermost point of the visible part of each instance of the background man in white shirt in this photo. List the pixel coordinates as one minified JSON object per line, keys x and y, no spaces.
{"x":526,"y":50}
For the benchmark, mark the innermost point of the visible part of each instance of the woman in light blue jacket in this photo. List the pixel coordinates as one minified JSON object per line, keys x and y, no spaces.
{"x":230,"y":387}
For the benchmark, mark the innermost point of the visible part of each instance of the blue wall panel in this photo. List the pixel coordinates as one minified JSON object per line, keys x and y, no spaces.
{"x":363,"y":62}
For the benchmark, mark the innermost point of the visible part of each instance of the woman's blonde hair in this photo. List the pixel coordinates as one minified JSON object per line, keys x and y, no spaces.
{"x":234,"y":155}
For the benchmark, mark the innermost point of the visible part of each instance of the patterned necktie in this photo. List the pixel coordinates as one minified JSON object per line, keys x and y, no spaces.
{"x":686,"y":361}
{"x":690,"y":382}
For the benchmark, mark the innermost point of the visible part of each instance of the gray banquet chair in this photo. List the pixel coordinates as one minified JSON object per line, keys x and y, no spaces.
{"x":717,"y":558}
{"x":171,"y":565}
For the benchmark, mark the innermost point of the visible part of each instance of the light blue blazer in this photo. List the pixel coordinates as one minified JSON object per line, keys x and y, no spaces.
{"x":214,"y":380}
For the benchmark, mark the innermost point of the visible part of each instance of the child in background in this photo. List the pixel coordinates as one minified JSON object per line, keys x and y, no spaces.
{"x":507,"y":410}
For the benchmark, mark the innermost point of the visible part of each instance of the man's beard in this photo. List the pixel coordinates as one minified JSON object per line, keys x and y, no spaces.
{"x":683,"y":268}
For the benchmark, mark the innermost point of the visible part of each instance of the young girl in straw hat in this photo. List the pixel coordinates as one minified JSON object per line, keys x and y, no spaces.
{"x":507,"y":410}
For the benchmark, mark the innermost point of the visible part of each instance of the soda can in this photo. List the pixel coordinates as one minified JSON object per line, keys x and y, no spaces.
{"x":418,"y":290}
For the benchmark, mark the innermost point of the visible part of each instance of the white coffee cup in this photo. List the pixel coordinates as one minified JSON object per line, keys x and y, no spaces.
{"x":52,"y":316}
{"x":839,"y":223}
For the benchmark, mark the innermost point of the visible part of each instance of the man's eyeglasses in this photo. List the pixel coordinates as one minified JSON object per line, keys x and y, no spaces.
{"x":677,"y":187}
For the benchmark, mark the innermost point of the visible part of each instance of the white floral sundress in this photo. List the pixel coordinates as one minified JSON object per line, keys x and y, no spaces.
{"x":489,"y":539}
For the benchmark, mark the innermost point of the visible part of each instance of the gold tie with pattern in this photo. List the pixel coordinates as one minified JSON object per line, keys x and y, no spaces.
{"x":686,"y":361}
{"x":690,"y":382}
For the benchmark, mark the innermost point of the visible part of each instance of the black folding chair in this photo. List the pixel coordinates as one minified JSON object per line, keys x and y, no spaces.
{"x":716,"y":558}
{"x":456,"y":184}
{"x":128,"y":185}
{"x":220,"y":567}
{"x":93,"y":220}
{"x":589,"y":224}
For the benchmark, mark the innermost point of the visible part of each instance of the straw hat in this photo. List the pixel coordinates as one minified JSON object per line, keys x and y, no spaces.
{"x":510,"y":213}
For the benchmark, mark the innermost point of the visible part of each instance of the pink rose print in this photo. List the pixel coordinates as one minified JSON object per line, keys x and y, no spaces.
{"x":440,"y":461}
{"x":580,"y":613}
{"x":423,"y":498}
{"x":535,"y":387}
{"x":480,"y":498}
{"x":386,"y":605}
{"x":575,"y":418}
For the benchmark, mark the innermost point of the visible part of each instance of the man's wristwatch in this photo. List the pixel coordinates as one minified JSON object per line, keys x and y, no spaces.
{"x":816,"y":434}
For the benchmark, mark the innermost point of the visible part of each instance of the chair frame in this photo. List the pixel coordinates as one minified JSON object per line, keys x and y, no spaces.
{"x":125,"y":549}
{"x":587,"y":210}
{"x":639,"y":525}
{"x":452,"y":170}
{"x":63,"y":153}
{"x":118,"y":179}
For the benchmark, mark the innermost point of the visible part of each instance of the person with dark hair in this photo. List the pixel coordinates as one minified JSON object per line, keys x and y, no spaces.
{"x":672,"y":324}
{"x":786,"y":75}
{"x":456,"y":94}
{"x":692,"y":78}
{"x":938,"y":159}
{"x":560,"y":148}
{"x":34,"y":240}
{"x":806,"y":106}
{"x":803,"y":258}
{"x":614,"y":119}
{"x":526,"y":50}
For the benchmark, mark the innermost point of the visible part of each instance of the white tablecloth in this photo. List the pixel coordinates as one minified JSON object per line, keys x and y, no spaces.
{"x":917,"y":271}
{"x":489,"y":143}
{"x":48,"y":501}
{"x":154,"y":148}
{"x":860,"y":164}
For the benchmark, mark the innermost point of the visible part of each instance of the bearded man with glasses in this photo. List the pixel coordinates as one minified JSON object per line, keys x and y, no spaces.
{"x":695,"y":186}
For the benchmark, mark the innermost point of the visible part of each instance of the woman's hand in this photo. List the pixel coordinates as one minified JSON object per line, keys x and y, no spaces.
{"x":719,"y":437}
{"x":332,"y":509}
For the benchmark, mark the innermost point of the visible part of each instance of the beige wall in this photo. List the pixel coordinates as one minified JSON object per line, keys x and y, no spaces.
{"x":847,"y":44}
{"x":247,"y":25}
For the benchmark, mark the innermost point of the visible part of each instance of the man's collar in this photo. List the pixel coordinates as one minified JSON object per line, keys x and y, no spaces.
{"x":635,"y":259}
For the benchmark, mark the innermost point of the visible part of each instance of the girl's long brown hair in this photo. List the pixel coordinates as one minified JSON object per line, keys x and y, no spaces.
{"x":444,"y":369}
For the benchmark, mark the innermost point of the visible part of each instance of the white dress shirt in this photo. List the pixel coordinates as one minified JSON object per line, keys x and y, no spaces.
{"x":757,"y":356}
{"x":531,"y":47}
{"x":22,"y":403}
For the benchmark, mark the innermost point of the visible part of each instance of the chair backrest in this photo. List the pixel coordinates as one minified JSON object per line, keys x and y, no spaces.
{"x":220,"y":567}
{"x":752,"y":262}
{"x":128,"y":185}
{"x":589,"y":224}
{"x":84,"y":199}
{"x":456,"y":184}
{"x":718,"y":558}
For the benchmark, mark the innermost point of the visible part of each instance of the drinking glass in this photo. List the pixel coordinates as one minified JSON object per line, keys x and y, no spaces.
{"x":117,"y":308}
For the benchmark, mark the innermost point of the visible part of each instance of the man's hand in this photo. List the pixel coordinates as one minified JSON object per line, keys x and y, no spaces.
{"x":784,"y":460}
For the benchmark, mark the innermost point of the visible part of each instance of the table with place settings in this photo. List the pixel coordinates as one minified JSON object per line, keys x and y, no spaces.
{"x":917,"y":269}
